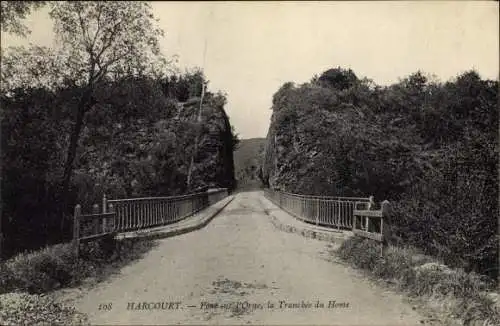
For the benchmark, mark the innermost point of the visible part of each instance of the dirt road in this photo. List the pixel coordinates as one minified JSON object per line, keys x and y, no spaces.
{"x":241,"y":270}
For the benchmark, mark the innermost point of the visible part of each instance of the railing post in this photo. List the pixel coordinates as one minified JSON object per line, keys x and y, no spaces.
{"x":95,"y":222}
{"x":76,"y":229}
{"x":112,"y":210}
{"x":371,"y":203}
{"x":104,"y":203}
{"x":316,"y":204}
{"x":385,"y":225}
{"x":104,"y":211}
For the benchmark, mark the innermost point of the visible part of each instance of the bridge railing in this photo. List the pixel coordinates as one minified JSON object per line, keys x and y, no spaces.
{"x":138,"y":213}
{"x":320,"y":210}
{"x":214,"y":195}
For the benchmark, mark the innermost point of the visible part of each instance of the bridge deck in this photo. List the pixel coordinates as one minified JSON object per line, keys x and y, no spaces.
{"x":240,"y":259}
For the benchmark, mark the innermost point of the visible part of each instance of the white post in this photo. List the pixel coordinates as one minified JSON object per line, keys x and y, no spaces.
{"x":371,"y":203}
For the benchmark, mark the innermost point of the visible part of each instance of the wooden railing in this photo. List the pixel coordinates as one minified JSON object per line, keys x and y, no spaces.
{"x":373,"y":224}
{"x":327,"y":211}
{"x":93,"y":226}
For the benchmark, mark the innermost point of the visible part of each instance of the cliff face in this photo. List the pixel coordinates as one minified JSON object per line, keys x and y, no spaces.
{"x":213,"y":158}
{"x":430,"y":148}
{"x":306,"y":141}
{"x":137,"y":141}
{"x":152,"y":155}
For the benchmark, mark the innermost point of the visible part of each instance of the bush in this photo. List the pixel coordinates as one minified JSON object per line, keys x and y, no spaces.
{"x":465,"y":294}
{"x":43,"y":270}
{"x":28,"y":309}
{"x":56,"y":266}
{"x":363,"y":253}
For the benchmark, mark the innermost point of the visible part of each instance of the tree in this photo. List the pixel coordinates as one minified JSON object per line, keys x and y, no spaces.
{"x":98,"y":42}
{"x":102,"y":40}
{"x":338,"y":78}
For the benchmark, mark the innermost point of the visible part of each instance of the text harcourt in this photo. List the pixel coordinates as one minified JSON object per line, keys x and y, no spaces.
{"x":163,"y":305}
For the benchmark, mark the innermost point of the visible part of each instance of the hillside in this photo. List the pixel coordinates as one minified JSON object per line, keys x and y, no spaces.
{"x":429,"y":147}
{"x":247,"y":160}
{"x":138,"y":140}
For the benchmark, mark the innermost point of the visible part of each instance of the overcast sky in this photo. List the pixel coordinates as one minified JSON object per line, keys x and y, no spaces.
{"x":254,"y":47}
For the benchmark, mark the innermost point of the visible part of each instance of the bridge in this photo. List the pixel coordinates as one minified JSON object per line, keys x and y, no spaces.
{"x":240,"y":267}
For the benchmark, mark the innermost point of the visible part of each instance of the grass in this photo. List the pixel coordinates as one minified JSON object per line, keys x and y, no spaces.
{"x":457,"y":295}
{"x":26,"y":278}
{"x":33,"y":309}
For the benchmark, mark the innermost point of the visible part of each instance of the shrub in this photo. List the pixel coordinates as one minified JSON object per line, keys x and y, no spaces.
{"x":463,"y":295}
{"x":28,"y":309}
{"x":363,"y":253}
{"x":56,"y":266}
{"x":42,"y":270}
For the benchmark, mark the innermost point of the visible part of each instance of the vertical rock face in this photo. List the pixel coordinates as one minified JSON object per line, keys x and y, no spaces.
{"x":137,"y":141}
{"x":227,"y":172}
{"x":270,"y":164}
{"x":213,"y":158}
{"x":429,"y":147}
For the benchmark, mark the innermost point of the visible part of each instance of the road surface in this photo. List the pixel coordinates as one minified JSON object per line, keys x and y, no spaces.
{"x":240,"y":269}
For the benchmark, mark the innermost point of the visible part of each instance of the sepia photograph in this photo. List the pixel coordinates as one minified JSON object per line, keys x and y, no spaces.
{"x":249,"y":163}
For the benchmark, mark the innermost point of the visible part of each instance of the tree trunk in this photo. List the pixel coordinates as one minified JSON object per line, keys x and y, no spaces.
{"x":70,"y":158}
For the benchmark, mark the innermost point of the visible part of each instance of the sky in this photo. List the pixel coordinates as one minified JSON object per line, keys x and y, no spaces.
{"x":249,"y":49}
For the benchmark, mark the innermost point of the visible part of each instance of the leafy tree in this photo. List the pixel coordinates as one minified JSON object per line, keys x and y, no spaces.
{"x":97,"y":42}
{"x":338,"y":78}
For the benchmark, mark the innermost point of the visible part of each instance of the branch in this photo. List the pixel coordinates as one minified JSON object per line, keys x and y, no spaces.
{"x":86,"y":36}
{"x":109,"y":40}
{"x":98,"y":27}
{"x":104,"y":68}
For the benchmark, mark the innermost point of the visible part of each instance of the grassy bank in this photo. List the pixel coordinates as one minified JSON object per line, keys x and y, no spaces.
{"x":26,"y":279}
{"x":467,"y":298}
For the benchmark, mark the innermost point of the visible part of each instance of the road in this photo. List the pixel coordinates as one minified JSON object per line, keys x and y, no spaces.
{"x":240,"y":269}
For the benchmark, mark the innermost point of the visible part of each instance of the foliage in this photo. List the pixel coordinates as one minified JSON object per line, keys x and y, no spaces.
{"x":95,"y":115}
{"x":247,"y":159}
{"x":55,"y":267}
{"x":136,"y":142}
{"x":32,"y":309}
{"x":27,"y":279}
{"x":431,"y":148}
{"x":185,"y":86}
{"x":97,"y":43}
{"x":106,"y":38}
{"x":13,"y":12}
{"x":466,"y":294}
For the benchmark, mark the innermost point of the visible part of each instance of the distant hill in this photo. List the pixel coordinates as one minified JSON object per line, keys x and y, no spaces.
{"x":247,"y":160}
